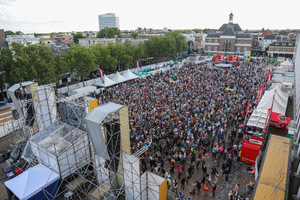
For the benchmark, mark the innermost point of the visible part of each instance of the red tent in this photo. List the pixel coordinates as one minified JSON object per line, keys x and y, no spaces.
{"x":279,"y":121}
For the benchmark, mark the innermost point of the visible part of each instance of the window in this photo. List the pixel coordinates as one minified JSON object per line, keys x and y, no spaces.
{"x":216,"y":40}
{"x":238,"y":49}
{"x":209,"y":48}
{"x":226,"y":45}
{"x":209,"y":40}
{"x":216,"y":48}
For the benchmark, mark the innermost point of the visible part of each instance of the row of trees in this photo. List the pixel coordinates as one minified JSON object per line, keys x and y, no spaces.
{"x":38,"y":63}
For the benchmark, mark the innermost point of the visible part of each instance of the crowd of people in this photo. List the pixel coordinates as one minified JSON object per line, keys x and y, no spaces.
{"x":187,"y":115}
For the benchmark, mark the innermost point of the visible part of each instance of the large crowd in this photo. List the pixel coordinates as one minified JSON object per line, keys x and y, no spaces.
{"x":187,"y":115}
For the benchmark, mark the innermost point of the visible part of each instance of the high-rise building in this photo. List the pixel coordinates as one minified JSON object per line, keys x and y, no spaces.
{"x":108,"y":20}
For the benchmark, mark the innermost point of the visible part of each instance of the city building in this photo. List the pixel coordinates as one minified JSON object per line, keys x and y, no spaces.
{"x":228,"y":39}
{"x":63,"y":37}
{"x":2,"y":36}
{"x":3,"y":42}
{"x":24,"y":39}
{"x":282,"y":49}
{"x":108,"y":20}
{"x":294,"y":190}
{"x":89,"y":41}
{"x":45,"y":39}
{"x":266,"y":41}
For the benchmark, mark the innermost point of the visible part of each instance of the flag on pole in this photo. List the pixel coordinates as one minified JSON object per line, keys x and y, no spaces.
{"x":138,"y":67}
{"x":101,"y":73}
{"x":269,"y":77}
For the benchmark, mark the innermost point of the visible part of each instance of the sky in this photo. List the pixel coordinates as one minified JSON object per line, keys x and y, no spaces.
{"x":40,"y":16}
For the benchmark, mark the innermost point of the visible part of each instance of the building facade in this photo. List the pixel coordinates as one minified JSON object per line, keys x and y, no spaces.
{"x":282,"y":49}
{"x":108,"y":20}
{"x":24,"y":39}
{"x":228,"y":39}
{"x":90,"y":41}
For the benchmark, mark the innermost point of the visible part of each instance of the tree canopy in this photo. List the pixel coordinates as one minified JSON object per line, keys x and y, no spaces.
{"x":37,"y":63}
{"x":77,"y":36}
{"x":109,"y":32}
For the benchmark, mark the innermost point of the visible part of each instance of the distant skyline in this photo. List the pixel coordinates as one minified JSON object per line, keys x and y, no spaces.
{"x":33,"y":16}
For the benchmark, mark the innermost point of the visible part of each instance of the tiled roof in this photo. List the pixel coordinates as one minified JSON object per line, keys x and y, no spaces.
{"x":270,"y":37}
{"x":266,"y":32}
{"x":213,"y":34}
{"x":243,"y":35}
{"x":283,"y":43}
{"x":236,"y":27}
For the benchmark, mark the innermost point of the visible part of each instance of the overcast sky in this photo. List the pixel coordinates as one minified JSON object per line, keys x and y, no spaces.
{"x":42,"y":16}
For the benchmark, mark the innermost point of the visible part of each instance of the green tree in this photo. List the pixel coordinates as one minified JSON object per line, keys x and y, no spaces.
{"x":80,"y":60}
{"x":196,"y":30}
{"x":283,"y":32}
{"x":61,"y":64}
{"x":9,"y":33}
{"x":77,"y":36}
{"x":109,"y":32}
{"x":134,"y":35}
{"x":6,"y":67}
{"x":42,"y":61}
{"x":19,"y":32}
{"x":103,"y":57}
{"x":29,"y":63}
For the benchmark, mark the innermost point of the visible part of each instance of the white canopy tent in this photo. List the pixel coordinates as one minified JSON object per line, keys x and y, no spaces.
{"x":118,"y":78}
{"x":280,"y":101}
{"x":258,"y":118}
{"x":32,"y":182}
{"x":287,"y":63}
{"x":223,"y":65}
{"x":106,"y":82}
{"x":129,"y":75}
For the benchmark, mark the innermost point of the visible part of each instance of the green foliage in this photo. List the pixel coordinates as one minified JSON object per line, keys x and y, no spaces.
{"x":109,"y":32}
{"x":27,"y":63}
{"x":80,"y":60}
{"x":283,"y":32}
{"x":61,"y":65}
{"x":38,"y":63}
{"x":196,"y":30}
{"x":207,"y":30}
{"x":134,"y":35}
{"x":77,"y":36}
{"x":171,"y":44}
{"x":9,"y":33}
{"x":103,"y":58}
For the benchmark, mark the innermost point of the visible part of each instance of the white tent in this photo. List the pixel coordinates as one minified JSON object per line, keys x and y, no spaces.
{"x":287,"y":63}
{"x":83,"y":90}
{"x":223,"y":65}
{"x":258,"y":118}
{"x":118,"y":78}
{"x":280,"y":101}
{"x":105,"y":83}
{"x":129,"y":75}
{"x":32,"y":181}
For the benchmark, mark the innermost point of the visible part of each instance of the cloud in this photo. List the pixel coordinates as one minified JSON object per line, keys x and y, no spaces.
{"x":6,"y":2}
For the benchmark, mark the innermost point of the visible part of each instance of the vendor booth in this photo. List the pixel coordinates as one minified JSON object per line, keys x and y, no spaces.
{"x":255,"y":135}
{"x":37,"y":183}
{"x":252,"y":144}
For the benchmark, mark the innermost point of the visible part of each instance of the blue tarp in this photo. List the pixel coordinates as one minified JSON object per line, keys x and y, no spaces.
{"x":30,"y":184}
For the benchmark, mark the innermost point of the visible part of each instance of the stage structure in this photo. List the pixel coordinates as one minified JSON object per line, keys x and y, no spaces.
{"x":116,"y":168}
{"x":73,"y":109}
{"x":96,"y":164}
